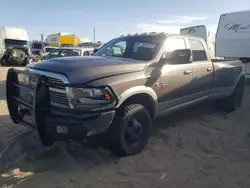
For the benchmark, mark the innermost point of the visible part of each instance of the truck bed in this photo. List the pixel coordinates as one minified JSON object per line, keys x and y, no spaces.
{"x":226,"y":74}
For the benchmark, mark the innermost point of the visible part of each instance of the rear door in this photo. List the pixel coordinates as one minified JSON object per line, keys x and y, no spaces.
{"x":202,"y":68}
{"x":176,"y":79}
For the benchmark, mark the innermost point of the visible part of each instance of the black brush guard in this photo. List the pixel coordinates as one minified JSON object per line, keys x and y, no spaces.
{"x":18,"y":106}
{"x":80,"y":123}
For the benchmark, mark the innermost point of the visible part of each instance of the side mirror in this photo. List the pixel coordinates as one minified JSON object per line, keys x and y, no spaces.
{"x":181,"y":56}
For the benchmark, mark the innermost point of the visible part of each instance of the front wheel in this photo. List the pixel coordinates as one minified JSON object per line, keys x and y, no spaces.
{"x":130,"y":130}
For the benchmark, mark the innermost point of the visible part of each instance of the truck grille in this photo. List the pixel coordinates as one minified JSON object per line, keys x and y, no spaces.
{"x":57,"y":89}
{"x":56,"y":83}
{"x":57,"y":92}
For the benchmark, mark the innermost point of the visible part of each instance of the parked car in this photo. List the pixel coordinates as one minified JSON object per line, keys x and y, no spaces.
{"x":68,"y":51}
{"x":113,"y":96}
{"x":48,"y":49}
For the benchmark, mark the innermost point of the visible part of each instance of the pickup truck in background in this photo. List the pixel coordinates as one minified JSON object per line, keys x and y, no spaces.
{"x":113,"y":96}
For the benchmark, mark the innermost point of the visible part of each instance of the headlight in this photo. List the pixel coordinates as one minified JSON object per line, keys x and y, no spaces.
{"x":94,"y":98}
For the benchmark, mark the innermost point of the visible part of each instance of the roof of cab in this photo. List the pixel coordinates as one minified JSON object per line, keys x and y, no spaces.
{"x":160,"y":34}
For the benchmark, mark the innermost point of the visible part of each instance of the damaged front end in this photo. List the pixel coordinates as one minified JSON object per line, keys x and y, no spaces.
{"x":39,"y":100}
{"x":15,"y":56}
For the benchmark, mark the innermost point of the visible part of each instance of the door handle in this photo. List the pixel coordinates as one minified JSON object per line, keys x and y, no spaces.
{"x":186,"y":72}
{"x":209,"y":69}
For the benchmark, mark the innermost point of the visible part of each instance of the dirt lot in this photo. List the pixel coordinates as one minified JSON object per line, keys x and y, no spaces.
{"x":197,"y":148}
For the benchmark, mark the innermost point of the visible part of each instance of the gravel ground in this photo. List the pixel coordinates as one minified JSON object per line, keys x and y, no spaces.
{"x":197,"y":148}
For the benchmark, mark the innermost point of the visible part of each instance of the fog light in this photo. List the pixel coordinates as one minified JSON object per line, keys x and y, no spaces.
{"x":61,"y":129}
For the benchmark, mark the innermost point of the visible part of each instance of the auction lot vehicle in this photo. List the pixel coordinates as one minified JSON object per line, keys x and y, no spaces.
{"x":48,"y":49}
{"x":233,"y":37}
{"x":37,"y":47}
{"x":113,"y":96}
{"x":63,"y":52}
{"x":14,"y":48}
{"x":68,"y":52}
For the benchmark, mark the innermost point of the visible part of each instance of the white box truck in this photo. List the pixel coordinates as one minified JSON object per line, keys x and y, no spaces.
{"x":14,"y":43}
{"x":233,"y":37}
{"x":204,"y":33}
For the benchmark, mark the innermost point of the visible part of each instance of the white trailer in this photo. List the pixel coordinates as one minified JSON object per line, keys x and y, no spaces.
{"x":233,"y":37}
{"x":202,"y":32}
{"x":12,"y":36}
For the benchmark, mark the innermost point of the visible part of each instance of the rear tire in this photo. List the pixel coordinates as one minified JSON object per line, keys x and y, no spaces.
{"x":130,"y":130}
{"x":230,"y":103}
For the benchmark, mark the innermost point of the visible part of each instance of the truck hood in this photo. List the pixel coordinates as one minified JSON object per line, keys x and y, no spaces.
{"x":88,"y":68}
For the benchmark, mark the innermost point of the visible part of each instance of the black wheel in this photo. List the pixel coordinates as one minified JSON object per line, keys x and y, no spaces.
{"x":129,"y":132}
{"x":233,"y":101}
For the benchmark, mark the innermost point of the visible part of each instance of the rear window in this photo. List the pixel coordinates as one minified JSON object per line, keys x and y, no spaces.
{"x":198,"y":50}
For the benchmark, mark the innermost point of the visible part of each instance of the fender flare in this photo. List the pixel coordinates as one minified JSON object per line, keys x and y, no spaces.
{"x":242,"y":74}
{"x":138,"y":90}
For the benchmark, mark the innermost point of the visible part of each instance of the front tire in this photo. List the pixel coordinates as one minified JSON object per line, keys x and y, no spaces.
{"x":130,"y":130}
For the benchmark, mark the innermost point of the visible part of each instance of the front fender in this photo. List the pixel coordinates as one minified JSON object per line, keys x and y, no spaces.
{"x":138,"y":90}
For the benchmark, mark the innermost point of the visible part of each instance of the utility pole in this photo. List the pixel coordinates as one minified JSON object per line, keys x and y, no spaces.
{"x":94,"y":34}
{"x":42,"y":37}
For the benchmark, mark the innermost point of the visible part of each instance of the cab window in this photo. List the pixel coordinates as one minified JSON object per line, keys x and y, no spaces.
{"x":198,"y":50}
{"x":171,"y":45}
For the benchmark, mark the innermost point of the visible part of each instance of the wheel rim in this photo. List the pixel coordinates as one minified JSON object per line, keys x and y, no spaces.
{"x":133,"y":132}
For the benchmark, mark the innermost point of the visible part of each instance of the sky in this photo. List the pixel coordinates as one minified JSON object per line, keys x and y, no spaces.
{"x":112,"y":18}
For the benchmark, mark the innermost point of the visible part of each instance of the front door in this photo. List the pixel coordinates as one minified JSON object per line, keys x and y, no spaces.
{"x":176,"y":79}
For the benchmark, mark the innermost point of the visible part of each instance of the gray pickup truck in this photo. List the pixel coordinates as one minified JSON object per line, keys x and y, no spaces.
{"x":113,"y":96}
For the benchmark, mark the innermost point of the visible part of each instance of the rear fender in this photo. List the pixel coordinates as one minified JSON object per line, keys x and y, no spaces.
{"x":240,"y":76}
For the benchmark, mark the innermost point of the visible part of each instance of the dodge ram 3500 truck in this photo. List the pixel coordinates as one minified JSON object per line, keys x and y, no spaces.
{"x":115,"y":94}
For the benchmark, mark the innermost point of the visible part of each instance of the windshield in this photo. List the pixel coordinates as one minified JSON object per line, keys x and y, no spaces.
{"x":142,"y":48}
{"x":64,"y":53}
{"x":12,"y":42}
